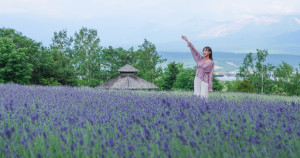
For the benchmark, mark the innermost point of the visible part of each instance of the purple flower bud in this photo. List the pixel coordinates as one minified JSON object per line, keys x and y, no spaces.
{"x":147,"y":133}
{"x":38,"y":155}
{"x":131,"y":148}
{"x":193,"y":144}
{"x":8,"y":133}
{"x":197,"y":132}
{"x":73,"y":146}
{"x":298,"y":133}
{"x":111,"y":142}
{"x":92,"y":143}
{"x":219,"y":123}
{"x":183,"y":139}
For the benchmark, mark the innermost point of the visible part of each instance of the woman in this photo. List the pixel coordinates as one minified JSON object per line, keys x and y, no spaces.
{"x":205,"y":70}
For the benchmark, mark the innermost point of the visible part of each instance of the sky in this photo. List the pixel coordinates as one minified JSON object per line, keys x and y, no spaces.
{"x":225,"y":25}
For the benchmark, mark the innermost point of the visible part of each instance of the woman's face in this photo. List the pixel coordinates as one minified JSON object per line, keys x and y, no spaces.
{"x":206,"y":52}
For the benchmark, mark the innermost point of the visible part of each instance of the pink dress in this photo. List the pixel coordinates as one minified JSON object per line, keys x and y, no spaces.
{"x":205,"y":69}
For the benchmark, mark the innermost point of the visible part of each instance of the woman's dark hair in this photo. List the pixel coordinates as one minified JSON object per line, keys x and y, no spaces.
{"x":208,"y":49}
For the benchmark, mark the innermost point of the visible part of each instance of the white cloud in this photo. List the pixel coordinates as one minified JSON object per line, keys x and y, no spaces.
{"x":161,"y":20}
{"x":214,"y":9}
{"x":176,"y":15}
{"x":297,"y":20}
{"x":229,"y":27}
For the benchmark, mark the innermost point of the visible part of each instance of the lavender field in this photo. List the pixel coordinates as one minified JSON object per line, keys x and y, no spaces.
{"x":37,"y":121}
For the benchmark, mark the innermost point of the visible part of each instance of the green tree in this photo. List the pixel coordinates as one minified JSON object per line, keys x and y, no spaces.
{"x":295,"y":80}
{"x":217,"y":86}
{"x":87,"y":56}
{"x":14,"y":66}
{"x":185,"y":79}
{"x":170,"y":75}
{"x":61,"y":53}
{"x":63,"y":43}
{"x":282,"y":75}
{"x":113,"y":59}
{"x":261,"y":72}
{"x":232,"y":86}
{"x":31,"y":49}
{"x":287,"y":80}
{"x":245,"y":86}
{"x":147,"y":60}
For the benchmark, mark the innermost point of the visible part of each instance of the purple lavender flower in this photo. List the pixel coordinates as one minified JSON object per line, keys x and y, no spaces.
{"x":111,"y":142}
{"x":73,"y":146}
{"x":63,"y":138}
{"x":92,"y":143}
{"x":218,"y":123}
{"x":298,"y":133}
{"x":197,"y":132}
{"x":131,"y":148}
{"x":147,"y":134}
{"x":38,"y":155}
{"x":180,"y":128}
{"x":193,"y":144}
{"x":183,"y":139}
{"x":64,"y":128}
{"x":8,"y":133}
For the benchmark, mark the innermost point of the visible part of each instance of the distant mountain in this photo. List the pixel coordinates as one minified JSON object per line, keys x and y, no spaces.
{"x":226,"y":62}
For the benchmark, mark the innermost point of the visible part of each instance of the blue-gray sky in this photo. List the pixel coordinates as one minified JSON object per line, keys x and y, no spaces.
{"x":225,"y":25}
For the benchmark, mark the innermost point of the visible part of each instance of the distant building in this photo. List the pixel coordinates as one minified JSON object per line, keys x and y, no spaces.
{"x":127,"y":80}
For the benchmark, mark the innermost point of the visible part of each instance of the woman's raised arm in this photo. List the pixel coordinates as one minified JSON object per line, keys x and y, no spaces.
{"x":197,"y":56}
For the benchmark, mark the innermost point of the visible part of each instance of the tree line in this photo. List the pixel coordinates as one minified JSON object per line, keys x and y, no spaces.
{"x":80,"y":60}
{"x":257,"y":76}
{"x":77,"y":60}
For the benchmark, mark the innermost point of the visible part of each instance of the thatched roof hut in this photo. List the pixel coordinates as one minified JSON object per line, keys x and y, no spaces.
{"x":128,"y":80}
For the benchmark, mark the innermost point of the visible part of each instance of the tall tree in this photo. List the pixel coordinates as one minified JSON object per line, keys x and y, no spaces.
{"x":113,"y":59}
{"x":147,"y":60}
{"x":282,"y":75}
{"x":14,"y":65}
{"x":170,"y":75}
{"x":295,"y":80}
{"x":31,"y":49}
{"x":261,"y":72}
{"x":63,"y":43}
{"x":87,"y":56}
{"x":61,"y":54}
{"x":287,"y":80}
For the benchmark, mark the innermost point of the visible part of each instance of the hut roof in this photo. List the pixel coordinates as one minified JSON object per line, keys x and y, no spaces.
{"x":128,"y":80}
{"x":128,"y":68}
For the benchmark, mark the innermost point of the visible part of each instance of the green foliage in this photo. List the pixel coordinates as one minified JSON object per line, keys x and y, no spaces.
{"x":13,"y":63}
{"x":49,"y":81}
{"x":286,"y":80}
{"x":30,"y":48}
{"x":113,"y":59}
{"x":295,"y":80}
{"x":86,"y":56}
{"x":61,"y":57}
{"x":185,"y":79}
{"x":282,"y":76}
{"x":245,"y":86}
{"x":232,"y":86}
{"x":217,"y":86}
{"x":261,"y":72}
{"x":147,"y":60}
{"x":170,"y":75}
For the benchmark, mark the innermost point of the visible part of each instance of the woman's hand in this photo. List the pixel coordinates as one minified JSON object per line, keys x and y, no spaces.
{"x":184,"y":38}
